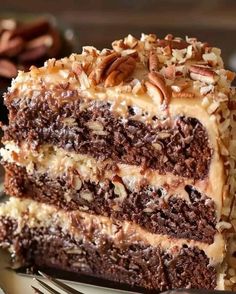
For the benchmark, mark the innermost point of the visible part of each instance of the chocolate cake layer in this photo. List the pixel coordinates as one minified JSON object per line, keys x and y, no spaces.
{"x":179,"y":146}
{"x":136,"y":264}
{"x":150,"y":208}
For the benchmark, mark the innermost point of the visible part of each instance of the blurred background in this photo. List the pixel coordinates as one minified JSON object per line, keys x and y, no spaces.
{"x":98,"y":22}
{"x":75,"y":23}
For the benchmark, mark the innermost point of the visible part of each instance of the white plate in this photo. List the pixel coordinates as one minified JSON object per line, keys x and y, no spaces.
{"x":16,"y":284}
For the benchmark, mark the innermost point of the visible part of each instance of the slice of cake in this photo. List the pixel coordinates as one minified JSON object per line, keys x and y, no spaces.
{"x":121,"y":164}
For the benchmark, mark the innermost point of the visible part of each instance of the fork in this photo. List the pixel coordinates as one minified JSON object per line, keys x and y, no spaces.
{"x":67,"y":289}
{"x":1,"y":291}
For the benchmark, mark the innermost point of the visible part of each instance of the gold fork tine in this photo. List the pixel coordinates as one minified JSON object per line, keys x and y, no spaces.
{"x":45,"y":286}
{"x":36,"y":290}
{"x":60,"y":284}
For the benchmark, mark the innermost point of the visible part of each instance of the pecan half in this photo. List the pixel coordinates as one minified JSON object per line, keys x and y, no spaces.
{"x":41,"y":40}
{"x":203,"y":74}
{"x":153,"y":61}
{"x":116,"y":64}
{"x":33,"y":54}
{"x":7,"y":69}
{"x":120,"y":69}
{"x":157,"y":80}
{"x":11,"y":47}
{"x":28,"y":43}
{"x":103,"y":64}
{"x":32,"y":30}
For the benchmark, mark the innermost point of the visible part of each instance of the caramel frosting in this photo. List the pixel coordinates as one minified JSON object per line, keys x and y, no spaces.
{"x":81,"y":224}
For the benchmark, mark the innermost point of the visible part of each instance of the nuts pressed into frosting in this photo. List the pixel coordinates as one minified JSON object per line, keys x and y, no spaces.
{"x":153,"y":61}
{"x":120,"y":69}
{"x":102,"y":65}
{"x":203,"y":74}
{"x":158,"y":81}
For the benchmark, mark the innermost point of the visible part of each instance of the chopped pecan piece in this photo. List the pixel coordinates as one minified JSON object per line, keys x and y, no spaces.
{"x":157,"y":80}
{"x":183,"y":95}
{"x":77,"y":68}
{"x":130,"y":41}
{"x":167,"y":51}
{"x":119,"y":45}
{"x":170,"y":72}
{"x":230,"y":75}
{"x":153,"y":61}
{"x":180,"y":86}
{"x":120,"y":69}
{"x":169,"y":37}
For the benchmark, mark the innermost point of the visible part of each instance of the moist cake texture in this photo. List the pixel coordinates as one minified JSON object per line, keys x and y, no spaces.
{"x":120,"y":164}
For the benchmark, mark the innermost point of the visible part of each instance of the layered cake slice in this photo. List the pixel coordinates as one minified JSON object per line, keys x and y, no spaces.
{"x":120,"y":164}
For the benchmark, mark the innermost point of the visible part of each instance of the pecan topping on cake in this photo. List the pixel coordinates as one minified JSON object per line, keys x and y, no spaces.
{"x":203,"y":74}
{"x":158,"y":81}
{"x":183,"y":95}
{"x":98,"y":72}
{"x":120,"y":69}
{"x":153,"y":61}
{"x":113,"y":69}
